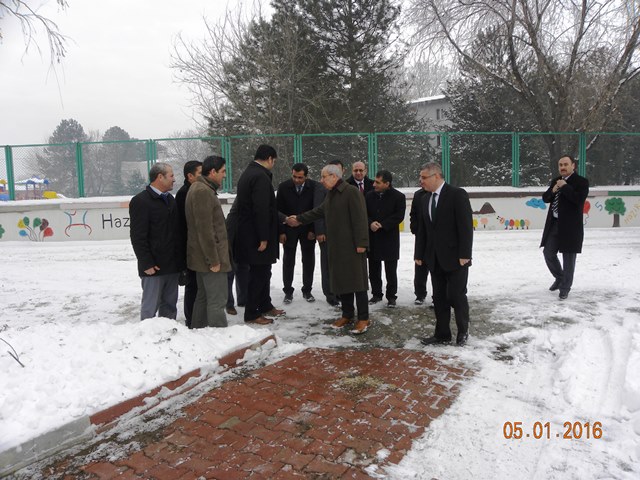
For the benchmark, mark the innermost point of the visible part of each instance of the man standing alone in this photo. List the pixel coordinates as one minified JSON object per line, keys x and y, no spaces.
{"x":385,"y":209}
{"x":256,"y":241}
{"x":444,"y":242}
{"x":154,"y":237}
{"x":564,"y":228}
{"x":207,"y":246}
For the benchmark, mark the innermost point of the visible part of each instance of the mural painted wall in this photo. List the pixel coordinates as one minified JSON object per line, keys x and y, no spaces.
{"x":108,"y":219}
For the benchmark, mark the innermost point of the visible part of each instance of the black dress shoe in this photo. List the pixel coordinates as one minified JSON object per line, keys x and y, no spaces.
{"x":375,"y":299}
{"x":433,"y":341}
{"x":308,"y":297}
{"x":555,"y":286}
{"x":391,"y":303}
{"x":563,"y":294}
{"x":461,"y":340}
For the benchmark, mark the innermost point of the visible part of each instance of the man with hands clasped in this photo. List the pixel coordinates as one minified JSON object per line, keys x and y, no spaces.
{"x":564,"y":227}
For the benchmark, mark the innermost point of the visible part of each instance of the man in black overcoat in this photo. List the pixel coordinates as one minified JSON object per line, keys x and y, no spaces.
{"x":155,"y":240}
{"x":359,"y":178}
{"x":192,"y":170}
{"x":421,"y":272}
{"x":385,"y":212}
{"x":444,"y":243}
{"x":564,"y":227}
{"x":256,"y":241}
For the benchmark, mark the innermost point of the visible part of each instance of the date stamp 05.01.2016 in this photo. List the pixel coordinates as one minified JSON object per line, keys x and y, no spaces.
{"x":542,"y":430}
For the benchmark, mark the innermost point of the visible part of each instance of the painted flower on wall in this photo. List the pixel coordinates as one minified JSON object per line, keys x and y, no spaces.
{"x":1,"y":231}
{"x":36,"y":233}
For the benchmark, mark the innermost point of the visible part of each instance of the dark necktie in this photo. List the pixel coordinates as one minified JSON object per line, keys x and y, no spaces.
{"x":433,"y":207}
{"x":165,"y":197}
{"x":299,"y":189}
{"x":361,"y":186}
{"x":554,"y":204}
{"x":556,"y":200}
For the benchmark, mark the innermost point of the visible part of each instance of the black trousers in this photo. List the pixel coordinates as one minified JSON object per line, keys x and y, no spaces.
{"x":564,"y":272}
{"x":190,"y":293}
{"x":308,"y":250}
{"x":450,"y":290}
{"x":240,"y":274}
{"x":362,"y":303}
{"x":420,"y":276}
{"x":258,"y":294}
{"x":375,"y":277}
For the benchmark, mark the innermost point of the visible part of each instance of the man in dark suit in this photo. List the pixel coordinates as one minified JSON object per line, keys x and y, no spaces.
{"x":256,"y":241}
{"x":421,"y":272}
{"x":564,"y":228}
{"x":192,"y":170}
{"x":296,"y":196}
{"x":385,"y":211}
{"x":359,"y":178}
{"x":444,"y":242}
{"x":154,"y":237}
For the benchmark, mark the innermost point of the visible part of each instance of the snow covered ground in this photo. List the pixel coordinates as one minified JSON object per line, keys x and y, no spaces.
{"x":71,"y":310}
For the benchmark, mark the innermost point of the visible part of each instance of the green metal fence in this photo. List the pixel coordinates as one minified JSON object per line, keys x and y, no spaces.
{"x":512,"y":159}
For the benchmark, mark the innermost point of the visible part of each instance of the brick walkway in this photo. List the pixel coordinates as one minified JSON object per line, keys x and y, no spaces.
{"x":319,"y":414}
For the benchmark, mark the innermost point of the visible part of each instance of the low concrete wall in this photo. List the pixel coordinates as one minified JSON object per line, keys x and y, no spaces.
{"x":108,"y":218}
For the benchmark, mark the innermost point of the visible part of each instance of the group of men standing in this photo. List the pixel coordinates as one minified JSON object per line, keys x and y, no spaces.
{"x":355,"y":222}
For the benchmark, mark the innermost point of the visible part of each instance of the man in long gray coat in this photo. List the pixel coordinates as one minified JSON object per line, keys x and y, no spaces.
{"x":345,"y":215}
{"x":207,"y":246}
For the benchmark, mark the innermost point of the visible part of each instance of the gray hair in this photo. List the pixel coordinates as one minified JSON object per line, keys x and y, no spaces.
{"x":432,"y":167}
{"x":157,"y":169}
{"x":333,"y":170}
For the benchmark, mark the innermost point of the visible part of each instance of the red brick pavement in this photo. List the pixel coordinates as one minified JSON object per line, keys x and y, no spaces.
{"x":318,"y":414}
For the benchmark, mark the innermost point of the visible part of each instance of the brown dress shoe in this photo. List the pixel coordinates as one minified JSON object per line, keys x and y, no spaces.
{"x":361,"y":327}
{"x":231,"y":311}
{"x":274,"y":312}
{"x":260,"y":321}
{"x":341,"y":322}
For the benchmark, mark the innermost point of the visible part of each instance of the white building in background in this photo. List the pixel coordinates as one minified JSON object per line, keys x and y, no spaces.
{"x":433,"y":110}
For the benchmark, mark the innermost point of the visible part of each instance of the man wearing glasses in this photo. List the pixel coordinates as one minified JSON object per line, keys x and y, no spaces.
{"x":443,"y":242}
{"x":359,"y":178}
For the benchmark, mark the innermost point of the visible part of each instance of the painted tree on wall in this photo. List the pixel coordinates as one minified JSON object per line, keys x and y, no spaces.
{"x":616,"y":207}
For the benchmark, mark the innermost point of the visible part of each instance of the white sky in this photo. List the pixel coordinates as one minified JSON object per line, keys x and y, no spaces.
{"x":116,"y":71}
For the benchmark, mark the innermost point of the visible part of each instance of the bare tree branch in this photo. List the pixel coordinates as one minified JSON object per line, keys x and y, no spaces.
{"x":553,"y":46}
{"x":31,"y":22}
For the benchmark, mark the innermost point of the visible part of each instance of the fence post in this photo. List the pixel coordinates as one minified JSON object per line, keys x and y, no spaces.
{"x":446,"y":156}
{"x":515,"y":159}
{"x":225,"y":147}
{"x":297,"y":148}
{"x":582,"y":154}
{"x":372,"y":154}
{"x":8,"y":155}
{"x":80,"y":169}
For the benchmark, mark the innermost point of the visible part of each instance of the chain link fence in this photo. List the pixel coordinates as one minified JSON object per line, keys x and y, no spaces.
{"x":499,"y":159}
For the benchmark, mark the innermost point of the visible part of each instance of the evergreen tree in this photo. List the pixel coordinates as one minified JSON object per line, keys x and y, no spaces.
{"x":58,"y":162}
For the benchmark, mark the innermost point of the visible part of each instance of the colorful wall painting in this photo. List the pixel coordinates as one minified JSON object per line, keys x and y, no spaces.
{"x":36,"y":233}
